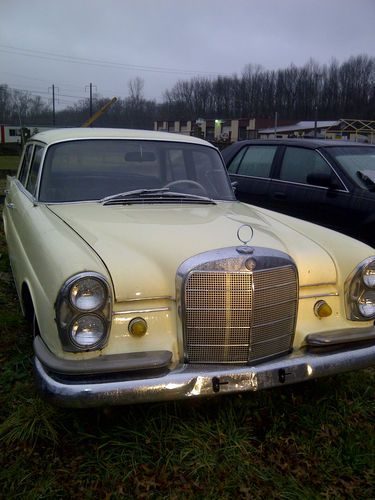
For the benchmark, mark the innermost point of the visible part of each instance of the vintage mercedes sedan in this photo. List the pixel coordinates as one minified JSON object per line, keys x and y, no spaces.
{"x":145,"y":279}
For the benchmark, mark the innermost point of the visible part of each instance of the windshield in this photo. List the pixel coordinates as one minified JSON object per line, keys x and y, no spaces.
{"x":95,"y":169}
{"x":356,"y":160}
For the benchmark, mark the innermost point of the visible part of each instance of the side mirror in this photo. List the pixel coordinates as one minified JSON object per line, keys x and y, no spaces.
{"x":234,"y":186}
{"x":319,"y":179}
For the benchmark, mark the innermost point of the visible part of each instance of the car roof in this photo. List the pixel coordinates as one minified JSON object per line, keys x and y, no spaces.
{"x":306,"y":143}
{"x":67,"y":134}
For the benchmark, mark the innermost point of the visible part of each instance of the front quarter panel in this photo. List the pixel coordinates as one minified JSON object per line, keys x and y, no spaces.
{"x":44,"y":253}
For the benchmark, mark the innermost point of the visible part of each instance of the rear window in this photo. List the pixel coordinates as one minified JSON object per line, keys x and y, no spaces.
{"x":255,"y":161}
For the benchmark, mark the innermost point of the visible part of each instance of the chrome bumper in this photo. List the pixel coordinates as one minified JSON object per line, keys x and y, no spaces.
{"x":203,"y":380}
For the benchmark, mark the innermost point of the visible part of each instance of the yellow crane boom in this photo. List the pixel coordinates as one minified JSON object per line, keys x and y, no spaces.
{"x":99,"y":113}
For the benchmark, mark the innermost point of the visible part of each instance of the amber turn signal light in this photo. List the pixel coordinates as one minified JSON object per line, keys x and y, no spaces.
{"x":322,"y":309}
{"x":137,"y":327}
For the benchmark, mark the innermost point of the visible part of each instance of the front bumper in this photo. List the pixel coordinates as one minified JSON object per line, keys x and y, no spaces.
{"x":189,"y":381}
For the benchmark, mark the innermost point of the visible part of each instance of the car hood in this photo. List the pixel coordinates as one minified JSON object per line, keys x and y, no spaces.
{"x":143,"y":245}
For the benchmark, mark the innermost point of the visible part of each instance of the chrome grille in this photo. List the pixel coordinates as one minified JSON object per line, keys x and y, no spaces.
{"x":239,"y":316}
{"x":217,"y":324}
{"x":275,"y":310}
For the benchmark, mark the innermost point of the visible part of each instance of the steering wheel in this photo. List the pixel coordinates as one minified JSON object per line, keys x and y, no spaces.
{"x":188,"y":181}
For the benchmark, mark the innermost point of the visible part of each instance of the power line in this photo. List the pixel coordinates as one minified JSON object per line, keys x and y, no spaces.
{"x":42,"y":91}
{"x":15,"y":86}
{"x":97,"y":62}
{"x":44,"y":80}
{"x":107,"y":91}
{"x":118,"y":93}
{"x":33,"y":92}
{"x":45,"y":96}
{"x":38,"y":92}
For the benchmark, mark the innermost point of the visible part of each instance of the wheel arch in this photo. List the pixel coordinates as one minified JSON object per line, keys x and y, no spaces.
{"x":28,"y":308}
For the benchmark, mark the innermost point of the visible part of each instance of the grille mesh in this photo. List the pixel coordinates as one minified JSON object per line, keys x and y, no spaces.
{"x":239,"y":317}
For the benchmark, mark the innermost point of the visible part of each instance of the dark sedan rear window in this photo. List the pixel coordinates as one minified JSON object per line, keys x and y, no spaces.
{"x":255,"y":161}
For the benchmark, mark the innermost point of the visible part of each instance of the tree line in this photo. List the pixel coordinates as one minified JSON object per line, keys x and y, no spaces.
{"x":330,"y":91}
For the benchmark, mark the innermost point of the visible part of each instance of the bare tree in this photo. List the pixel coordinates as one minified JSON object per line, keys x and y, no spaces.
{"x":337,"y":90}
{"x":136,"y":86}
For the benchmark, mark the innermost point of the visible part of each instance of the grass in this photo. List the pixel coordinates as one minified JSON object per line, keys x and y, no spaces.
{"x":313,"y":440}
{"x":8,"y":166}
{"x":9,"y":162}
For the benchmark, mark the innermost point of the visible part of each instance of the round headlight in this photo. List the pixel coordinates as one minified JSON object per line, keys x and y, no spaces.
{"x":369,"y":275}
{"x":87,"y":330}
{"x":88,"y":294}
{"x":366,"y":304}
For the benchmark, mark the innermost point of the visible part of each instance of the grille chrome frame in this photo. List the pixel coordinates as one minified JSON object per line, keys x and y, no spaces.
{"x":225,"y":307}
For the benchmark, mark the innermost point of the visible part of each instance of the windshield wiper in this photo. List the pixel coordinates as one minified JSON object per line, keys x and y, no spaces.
{"x":134,"y":192}
{"x":154,"y":196}
{"x":186,"y":196}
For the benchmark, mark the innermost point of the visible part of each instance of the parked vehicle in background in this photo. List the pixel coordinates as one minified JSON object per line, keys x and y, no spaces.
{"x":331,"y":183}
{"x":145,"y":279}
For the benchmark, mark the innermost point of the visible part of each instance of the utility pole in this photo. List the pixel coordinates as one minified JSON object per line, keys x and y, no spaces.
{"x":53,"y":104}
{"x":90,"y":100}
{"x":90,"y":87}
{"x":276,"y":116}
{"x":316,"y":121}
{"x":21,"y":127}
{"x":316,"y":106}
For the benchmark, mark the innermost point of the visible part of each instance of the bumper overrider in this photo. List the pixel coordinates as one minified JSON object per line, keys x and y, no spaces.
{"x":146,"y":377}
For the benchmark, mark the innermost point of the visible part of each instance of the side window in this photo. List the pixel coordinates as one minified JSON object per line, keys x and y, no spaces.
{"x":257,"y":161}
{"x":25,"y":164}
{"x":298,"y":163}
{"x":233,"y":166}
{"x":34,"y":170}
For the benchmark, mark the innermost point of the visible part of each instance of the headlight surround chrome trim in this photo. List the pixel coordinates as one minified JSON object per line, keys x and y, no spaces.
{"x":94,"y":279}
{"x":356,"y":288}
{"x":79,"y":321}
{"x":368,"y":274}
{"x":67,"y":313}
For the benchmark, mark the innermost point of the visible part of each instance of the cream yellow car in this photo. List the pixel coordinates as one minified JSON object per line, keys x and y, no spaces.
{"x":145,"y":280}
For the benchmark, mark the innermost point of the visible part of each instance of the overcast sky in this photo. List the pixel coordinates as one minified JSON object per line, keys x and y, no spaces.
{"x":71,"y":43}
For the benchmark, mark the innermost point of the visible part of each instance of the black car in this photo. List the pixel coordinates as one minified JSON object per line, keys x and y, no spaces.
{"x":331,"y":183}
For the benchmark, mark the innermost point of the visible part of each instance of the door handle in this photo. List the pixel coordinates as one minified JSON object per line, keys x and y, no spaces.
{"x":11,"y":205}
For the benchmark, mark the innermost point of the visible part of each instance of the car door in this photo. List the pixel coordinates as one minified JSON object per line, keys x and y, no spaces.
{"x":298,"y":189}
{"x":251,"y":168}
{"x":20,"y":206}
